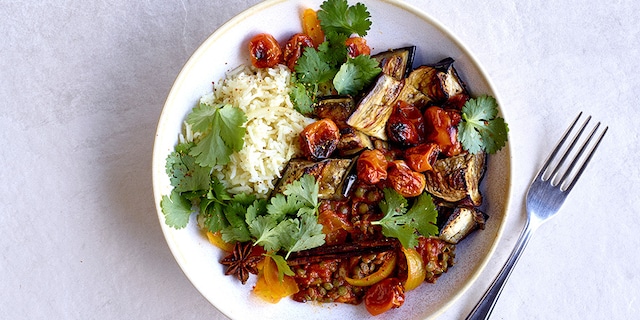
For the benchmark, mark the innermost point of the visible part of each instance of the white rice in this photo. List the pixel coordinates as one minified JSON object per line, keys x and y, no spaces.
{"x":273,"y":126}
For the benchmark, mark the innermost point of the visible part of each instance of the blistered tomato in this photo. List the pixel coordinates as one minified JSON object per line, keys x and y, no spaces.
{"x":442,"y":128}
{"x":405,"y":181}
{"x":384,"y":295}
{"x":372,"y":166}
{"x":294,"y":49}
{"x":357,"y":46}
{"x":265,"y":51}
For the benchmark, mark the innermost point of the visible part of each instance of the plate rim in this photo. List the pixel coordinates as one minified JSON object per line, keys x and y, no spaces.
{"x":158,"y":155}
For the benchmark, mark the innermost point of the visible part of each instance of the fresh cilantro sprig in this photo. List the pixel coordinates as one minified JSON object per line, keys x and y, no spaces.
{"x":222,"y":133}
{"x":289,"y":221}
{"x":405,"y":225}
{"x":355,"y":74}
{"x":328,"y":68}
{"x":190,"y":181}
{"x":481,"y":129}
{"x":339,"y":17}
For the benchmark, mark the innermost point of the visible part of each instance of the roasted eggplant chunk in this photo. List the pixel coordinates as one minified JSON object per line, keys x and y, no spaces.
{"x":396,"y":62}
{"x":352,"y":142}
{"x":456,"y":178}
{"x":336,"y":108}
{"x":374,"y":109}
{"x":461,"y":223}
{"x":412,"y":95}
{"x":441,"y":83}
{"x":331,"y":174}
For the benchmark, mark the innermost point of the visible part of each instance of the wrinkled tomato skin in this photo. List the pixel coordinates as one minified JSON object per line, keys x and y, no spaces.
{"x":442,"y":128}
{"x":405,"y":181}
{"x":357,"y":46}
{"x":294,"y":48}
{"x":372,"y":166}
{"x":384,"y":296}
{"x":406,"y":125}
{"x":422,"y":157}
{"x":319,"y":139}
{"x":265,"y":51}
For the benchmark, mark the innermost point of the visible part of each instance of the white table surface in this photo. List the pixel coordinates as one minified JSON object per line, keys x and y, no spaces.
{"x":82,"y":85}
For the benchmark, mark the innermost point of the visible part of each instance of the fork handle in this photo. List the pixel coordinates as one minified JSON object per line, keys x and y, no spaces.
{"x":483,"y":309}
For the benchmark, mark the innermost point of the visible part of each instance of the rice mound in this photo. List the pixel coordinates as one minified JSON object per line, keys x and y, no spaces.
{"x":273,"y":126}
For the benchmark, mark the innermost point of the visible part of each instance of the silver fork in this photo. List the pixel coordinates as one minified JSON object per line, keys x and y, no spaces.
{"x":545,"y":196}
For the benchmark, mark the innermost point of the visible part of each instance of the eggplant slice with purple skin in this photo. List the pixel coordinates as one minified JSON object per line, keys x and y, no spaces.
{"x":374,"y":109}
{"x":461,"y":222}
{"x":331,"y":175}
{"x":336,"y":108}
{"x":457,"y":178}
{"x":441,"y":83}
{"x":396,"y":62}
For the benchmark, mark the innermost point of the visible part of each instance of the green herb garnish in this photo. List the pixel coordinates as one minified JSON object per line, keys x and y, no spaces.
{"x":406,"y":225}
{"x":481,"y":129}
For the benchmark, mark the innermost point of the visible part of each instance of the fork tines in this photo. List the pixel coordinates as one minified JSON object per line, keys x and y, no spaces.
{"x":565,"y":175}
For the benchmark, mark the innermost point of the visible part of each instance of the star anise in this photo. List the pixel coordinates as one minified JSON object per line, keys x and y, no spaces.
{"x":243,"y":260}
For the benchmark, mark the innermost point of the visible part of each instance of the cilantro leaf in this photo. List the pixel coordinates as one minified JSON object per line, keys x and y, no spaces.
{"x":306,"y":189}
{"x":312,"y":68}
{"x":281,"y":206}
{"x":237,"y":230}
{"x":481,"y":129}
{"x":263,"y":228}
{"x":273,"y":226}
{"x":423,"y":215}
{"x":334,"y":49}
{"x":283,"y":267}
{"x":210,"y":217}
{"x":176,"y":210}
{"x":301,"y":99}
{"x":184,"y":173}
{"x":355,"y":74}
{"x":201,"y":117}
{"x":218,"y":191}
{"x":222,"y":133}
{"x":301,"y":234}
{"x":402,"y":224}
{"x":338,"y":16}
{"x":231,"y":121}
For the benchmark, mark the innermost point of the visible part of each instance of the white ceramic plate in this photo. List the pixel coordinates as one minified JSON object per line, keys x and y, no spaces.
{"x":395,"y":25}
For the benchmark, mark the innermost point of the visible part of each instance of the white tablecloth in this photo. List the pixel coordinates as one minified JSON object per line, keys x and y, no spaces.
{"x":82,"y":85}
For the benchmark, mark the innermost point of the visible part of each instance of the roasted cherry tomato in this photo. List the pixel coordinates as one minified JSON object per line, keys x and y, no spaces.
{"x":405,"y":181}
{"x":294,"y":48}
{"x":406,"y":124}
{"x":265,"y":51}
{"x":319,"y":139}
{"x":357,"y":46}
{"x":372,"y":166}
{"x":442,"y":128}
{"x":311,"y":26}
{"x":422,"y":157}
{"x":384,"y":295}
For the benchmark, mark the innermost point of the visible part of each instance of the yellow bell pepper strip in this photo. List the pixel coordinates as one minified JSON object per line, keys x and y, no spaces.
{"x":383,"y":272}
{"x":268,"y":287}
{"x":216,"y":240}
{"x":416,"y":272}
